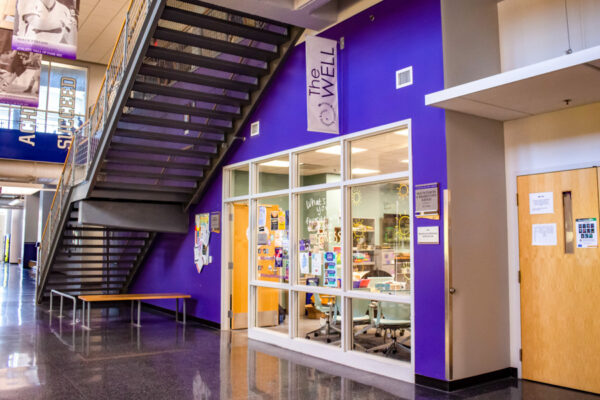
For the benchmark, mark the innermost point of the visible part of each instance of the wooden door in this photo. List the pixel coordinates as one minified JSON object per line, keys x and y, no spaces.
{"x":560,"y":285}
{"x":239,"y":276}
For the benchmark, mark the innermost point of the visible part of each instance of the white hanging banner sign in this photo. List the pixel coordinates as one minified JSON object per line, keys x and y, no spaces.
{"x":322,"y":85}
{"x":46,"y":27}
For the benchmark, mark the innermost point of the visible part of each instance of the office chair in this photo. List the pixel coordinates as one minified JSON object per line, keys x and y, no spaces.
{"x":392,"y":319}
{"x":362,"y":314}
{"x":330,"y":311}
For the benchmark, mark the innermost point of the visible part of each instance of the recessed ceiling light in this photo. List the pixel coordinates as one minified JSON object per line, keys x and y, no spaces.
{"x":364,"y":171}
{"x":405,"y":161}
{"x":337,"y":150}
{"x":276,"y":163}
{"x":402,"y":132}
{"x":19,"y":191}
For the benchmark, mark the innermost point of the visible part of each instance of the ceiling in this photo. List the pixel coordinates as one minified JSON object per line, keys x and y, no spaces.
{"x":99,"y":24}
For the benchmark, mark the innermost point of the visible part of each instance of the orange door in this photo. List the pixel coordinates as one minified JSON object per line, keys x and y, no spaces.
{"x":239,"y":276}
{"x":560,"y":281}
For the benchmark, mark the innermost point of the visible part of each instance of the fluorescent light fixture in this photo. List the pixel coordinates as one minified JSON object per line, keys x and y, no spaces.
{"x":405,"y":161}
{"x":276,"y":163}
{"x":364,"y":171}
{"x":19,"y":191}
{"x":402,"y":132}
{"x":337,"y":150}
{"x":14,"y":202}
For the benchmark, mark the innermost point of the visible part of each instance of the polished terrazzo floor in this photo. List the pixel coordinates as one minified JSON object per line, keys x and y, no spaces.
{"x":43,"y":357}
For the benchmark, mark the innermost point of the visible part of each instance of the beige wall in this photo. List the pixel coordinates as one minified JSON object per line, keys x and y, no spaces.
{"x":555,"y":141}
{"x":536,"y":30}
{"x":470,"y":39}
{"x":480,"y":319}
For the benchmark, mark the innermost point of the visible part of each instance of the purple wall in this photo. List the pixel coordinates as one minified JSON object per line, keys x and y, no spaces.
{"x":403,"y":33}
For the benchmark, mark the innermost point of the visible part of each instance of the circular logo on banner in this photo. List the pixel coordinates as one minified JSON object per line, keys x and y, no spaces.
{"x":327,"y":114}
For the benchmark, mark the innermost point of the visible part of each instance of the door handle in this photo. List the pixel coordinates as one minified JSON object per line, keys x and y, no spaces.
{"x":452,"y":290}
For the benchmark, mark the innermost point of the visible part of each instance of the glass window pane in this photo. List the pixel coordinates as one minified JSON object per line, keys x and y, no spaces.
{"x":44,"y":86}
{"x":52,"y":123}
{"x":319,"y":238}
{"x":379,"y":154}
{"x":381,"y":237}
{"x":273,"y":174}
{"x":4,"y":114}
{"x":319,"y":166}
{"x":319,"y":318}
{"x":69,"y":76}
{"x":273,"y":239}
{"x":272,"y":309}
{"x":372,"y":320}
{"x":239,"y":181}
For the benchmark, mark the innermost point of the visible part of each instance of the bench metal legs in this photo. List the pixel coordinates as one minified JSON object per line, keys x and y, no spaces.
{"x":177,"y":312}
{"x":85,"y":321}
{"x":139,"y":313}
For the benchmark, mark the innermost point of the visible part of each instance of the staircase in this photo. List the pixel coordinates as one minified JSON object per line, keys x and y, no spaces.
{"x":182,"y":81}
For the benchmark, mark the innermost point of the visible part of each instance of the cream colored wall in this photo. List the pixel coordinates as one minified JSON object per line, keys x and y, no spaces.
{"x":555,"y":141}
{"x":475,"y":151}
{"x":470,"y":32}
{"x":536,"y":30}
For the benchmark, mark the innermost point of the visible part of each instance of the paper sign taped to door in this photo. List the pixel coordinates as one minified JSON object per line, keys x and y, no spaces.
{"x":541,"y":203}
{"x":543,"y":235}
{"x":587,"y":233}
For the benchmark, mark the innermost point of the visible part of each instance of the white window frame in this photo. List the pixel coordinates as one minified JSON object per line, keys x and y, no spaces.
{"x":343,"y":354}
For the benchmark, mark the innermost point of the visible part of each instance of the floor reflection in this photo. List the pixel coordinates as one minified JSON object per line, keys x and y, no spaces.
{"x":44,"y":357}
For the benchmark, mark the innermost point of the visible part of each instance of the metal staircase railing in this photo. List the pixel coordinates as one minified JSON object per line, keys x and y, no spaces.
{"x":84,"y":146}
{"x":162,"y":43}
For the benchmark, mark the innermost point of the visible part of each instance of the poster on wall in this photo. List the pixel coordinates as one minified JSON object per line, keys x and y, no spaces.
{"x":587,"y":233}
{"x":47,"y":27}
{"x":201,"y":240}
{"x":19,"y":74}
{"x":322,"y":85}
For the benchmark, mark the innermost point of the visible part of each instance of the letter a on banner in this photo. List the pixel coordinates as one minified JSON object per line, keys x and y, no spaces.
{"x":322,"y":85}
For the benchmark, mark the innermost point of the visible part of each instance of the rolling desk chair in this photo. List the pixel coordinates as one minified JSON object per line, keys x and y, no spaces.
{"x":331,"y":311}
{"x":391,"y":318}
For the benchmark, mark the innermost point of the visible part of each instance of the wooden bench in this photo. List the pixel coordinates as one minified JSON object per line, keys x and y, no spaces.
{"x":94,"y":298}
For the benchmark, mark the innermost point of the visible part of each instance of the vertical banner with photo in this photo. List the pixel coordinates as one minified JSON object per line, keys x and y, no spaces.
{"x":322,"y":85}
{"x":19,"y":74}
{"x":47,"y":27}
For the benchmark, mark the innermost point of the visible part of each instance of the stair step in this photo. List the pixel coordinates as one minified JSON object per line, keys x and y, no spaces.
{"x":171,"y":91}
{"x":118,"y":279}
{"x":157,"y":163}
{"x":216,"y":64}
{"x":69,"y":288}
{"x":133,"y":148}
{"x":146,"y":188}
{"x":102,"y":229}
{"x":112,"y":269}
{"x":77,"y":262}
{"x":148,"y":175}
{"x":220,"y":25}
{"x":162,"y":137}
{"x":104,"y":237}
{"x":217,"y":131}
{"x":197,"y":78}
{"x":221,"y":46}
{"x":103,"y":254}
{"x":89,"y":246}
{"x":182,"y":109}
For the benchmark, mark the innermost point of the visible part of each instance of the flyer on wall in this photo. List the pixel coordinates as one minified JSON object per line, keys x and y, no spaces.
{"x":46,"y":27}
{"x":19,"y":74}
